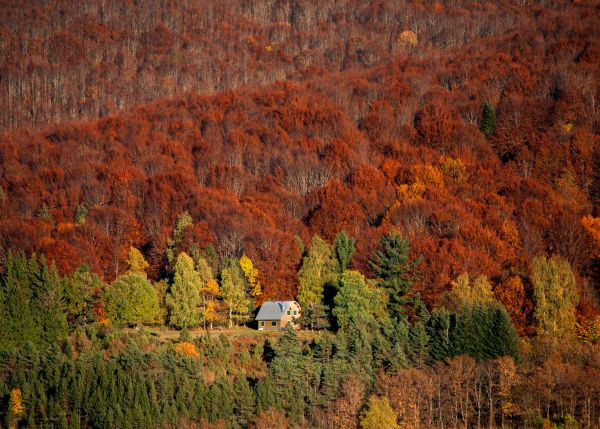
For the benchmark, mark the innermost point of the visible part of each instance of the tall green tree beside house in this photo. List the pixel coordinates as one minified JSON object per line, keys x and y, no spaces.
{"x":234,"y":296}
{"x":318,"y":269}
{"x":356,"y":302}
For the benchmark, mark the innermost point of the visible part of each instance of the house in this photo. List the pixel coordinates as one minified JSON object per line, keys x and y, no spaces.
{"x":274,"y":315}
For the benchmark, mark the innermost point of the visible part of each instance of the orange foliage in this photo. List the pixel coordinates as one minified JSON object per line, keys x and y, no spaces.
{"x":187,"y":349}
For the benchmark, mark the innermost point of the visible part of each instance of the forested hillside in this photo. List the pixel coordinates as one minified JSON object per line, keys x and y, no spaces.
{"x":422,"y":177}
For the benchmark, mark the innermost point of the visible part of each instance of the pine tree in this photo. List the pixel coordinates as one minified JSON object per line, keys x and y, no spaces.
{"x":289,"y":374}
{"x":505,"y":338}
{"x":183,"y":299}
{"x":438,"y":329}
{"x":488,"y":120}
{"x":343,"y":249}
{"x":244,"y":404}
{"x":391,"y":264}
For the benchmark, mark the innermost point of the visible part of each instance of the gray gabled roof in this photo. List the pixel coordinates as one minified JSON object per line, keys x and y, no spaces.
{"x":273,"y":310}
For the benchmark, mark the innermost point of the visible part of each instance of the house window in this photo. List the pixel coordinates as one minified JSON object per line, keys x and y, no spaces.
{"x":274,"y":323}
{"x":289,"y":312}
{"x":295,"y":313}
{"x":262,"y":323}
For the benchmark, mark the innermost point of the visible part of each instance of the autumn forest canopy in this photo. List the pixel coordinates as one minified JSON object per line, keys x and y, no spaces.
{"x":422,"y":177}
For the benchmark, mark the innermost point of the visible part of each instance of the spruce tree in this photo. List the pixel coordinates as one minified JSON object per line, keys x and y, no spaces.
{"x":343,"y":250}
{"x":488,"y":120}
{"x":438,"y":328}
{"x":392,"y":265}
{"x":505,"y":338}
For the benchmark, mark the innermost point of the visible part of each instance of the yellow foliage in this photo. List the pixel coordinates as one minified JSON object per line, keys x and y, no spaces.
{"x":466,"y":292}
{"x":431,"y":177}
{"x":17,"y":409}
{"x":454,"y":169}
{"x":211,"y":313}
{"x":136,"y":261}
{"x":592,"y":226}
{"x":251,"y":274}
{"x":410,"y":192}
{"x":378,"y":415}
{"x":588,"y":330}
{"x":187,"y":349}
{"x":407,"y":38}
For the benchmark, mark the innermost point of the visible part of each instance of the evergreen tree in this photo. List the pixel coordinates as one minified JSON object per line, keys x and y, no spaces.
{"x":343,"y":249}
{"x":183,"y":299}
{"x":438,"y":329}
{"x":288,"y":371}
{"x":356,"y":302}
{"x":504,"y":336}
{"x":418,"y":344}
{"x":488,"y":120}
{"x":395,"y":270}
{"x":17,"y":324}
{"x":315,"y":317}
{"x":244,"y":404}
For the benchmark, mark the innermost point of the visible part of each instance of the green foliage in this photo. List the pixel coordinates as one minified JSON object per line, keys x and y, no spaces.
{"x":315,"y":317}
{"x":183,"y":299}
{"x":131,"y":300}
{"x":183,"y":221}
{"x":392,"y":265}
{"x":488,"y":120}
{"x":31,"y":302}
{"x":485,"y":332}
{"x":235,"y":298}
{"x":343,"y":249}
{"x":438,"y":328}
{"x":79,"y":296}
{"x":289,"y":373}
{"x":318,"y":269}
{"x":81,"y":213}
{"x":356,"y":302}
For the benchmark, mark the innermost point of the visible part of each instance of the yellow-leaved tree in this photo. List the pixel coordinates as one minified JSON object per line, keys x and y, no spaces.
{"x":467,"y":293}
{"x":209,"y":292}
{"x":251,"y":274}
{"x":137,"y":262}
{"x":16,"y":408}
{"x":379,"y":415}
